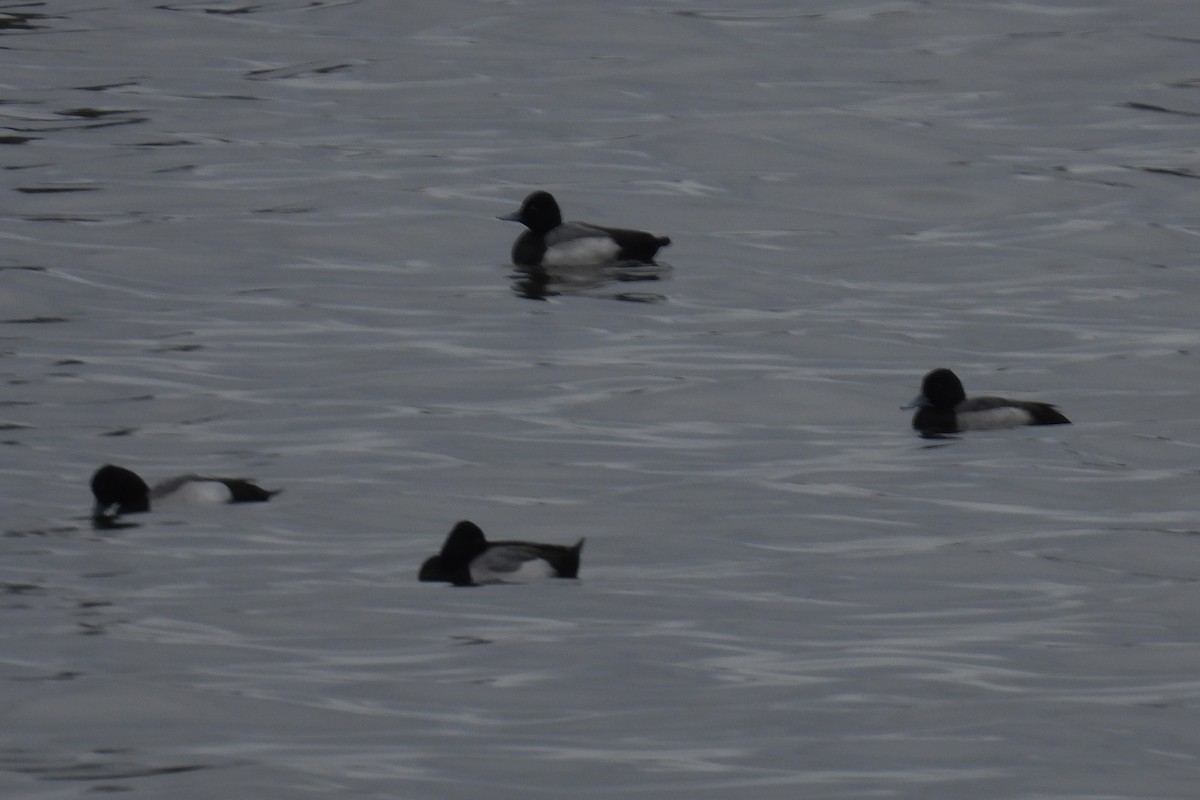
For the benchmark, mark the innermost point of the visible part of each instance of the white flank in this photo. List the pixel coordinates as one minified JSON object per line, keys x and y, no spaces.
{"x":588,"y":251}
{"x":494,"y":567}
{"x":197,"y":493}
{"x":1003,"y":417}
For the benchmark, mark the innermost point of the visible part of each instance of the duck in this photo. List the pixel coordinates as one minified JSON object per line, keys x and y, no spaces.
{"x":467,"y":558}
{"x":943,"y":407}
{"x":118,"y":491}
{"x":550,"y":242}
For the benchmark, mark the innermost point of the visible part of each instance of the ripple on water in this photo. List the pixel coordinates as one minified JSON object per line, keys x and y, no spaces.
{"x":260,"y":235}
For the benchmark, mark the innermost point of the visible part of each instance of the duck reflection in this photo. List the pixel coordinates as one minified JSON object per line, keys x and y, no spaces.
{"x":601,"y":281}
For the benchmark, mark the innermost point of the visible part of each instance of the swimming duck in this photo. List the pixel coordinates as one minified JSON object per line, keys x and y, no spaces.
{"x":550,"y":242}
{"x":943,"y":407}
{"x":467,"y":558}
{"x":122,"y":491}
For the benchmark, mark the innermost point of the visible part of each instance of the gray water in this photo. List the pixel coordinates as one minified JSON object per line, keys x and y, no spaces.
{"x":259,"y":239}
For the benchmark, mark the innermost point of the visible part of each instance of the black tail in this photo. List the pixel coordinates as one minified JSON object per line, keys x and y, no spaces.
{"x":1046,"y":414}
{"x":565,"y":560}
{"x":242,"y":490}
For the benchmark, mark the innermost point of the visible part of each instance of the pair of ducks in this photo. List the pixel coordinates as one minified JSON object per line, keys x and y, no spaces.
{"x":942,"y":407}
{"x":467,"y":558}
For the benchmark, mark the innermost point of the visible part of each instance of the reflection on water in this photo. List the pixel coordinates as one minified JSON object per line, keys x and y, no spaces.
{"x":257,"y":235}
{"x":16,"y":17}
{"x":600,"y":281}
{"x":97,"y":765}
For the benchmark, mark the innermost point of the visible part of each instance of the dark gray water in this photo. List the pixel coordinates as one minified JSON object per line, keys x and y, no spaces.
{"x":259,"y":238}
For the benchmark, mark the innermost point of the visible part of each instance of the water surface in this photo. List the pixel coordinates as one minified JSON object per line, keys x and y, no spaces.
{"x":259,"y":239}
